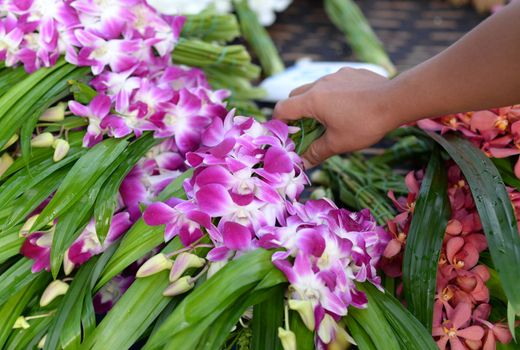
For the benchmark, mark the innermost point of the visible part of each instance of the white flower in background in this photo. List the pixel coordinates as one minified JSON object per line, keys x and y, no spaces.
{"x":265,"y":9}
{"x":189,"y":7}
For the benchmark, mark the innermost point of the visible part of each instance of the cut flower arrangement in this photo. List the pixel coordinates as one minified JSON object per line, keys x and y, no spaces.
{"x":140,"y":209}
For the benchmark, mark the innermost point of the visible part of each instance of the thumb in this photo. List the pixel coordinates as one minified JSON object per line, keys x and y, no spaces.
{"x":317,"y":152}
{"x":293,"y":108}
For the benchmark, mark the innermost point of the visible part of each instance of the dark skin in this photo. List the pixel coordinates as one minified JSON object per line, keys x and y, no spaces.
{"x":358,"y":107}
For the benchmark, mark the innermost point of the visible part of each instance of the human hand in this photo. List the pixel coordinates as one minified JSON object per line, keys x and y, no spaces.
{"x":350,"y":104}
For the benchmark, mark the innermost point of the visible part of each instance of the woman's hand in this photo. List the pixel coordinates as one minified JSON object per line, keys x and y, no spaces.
{"x":350,"y":104}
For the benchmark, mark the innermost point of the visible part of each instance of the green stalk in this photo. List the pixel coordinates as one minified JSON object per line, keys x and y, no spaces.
{"x":211,"y":27}
{"x":259,"y":39}
{"x":347,"y":16}
{"x":233,"y":58}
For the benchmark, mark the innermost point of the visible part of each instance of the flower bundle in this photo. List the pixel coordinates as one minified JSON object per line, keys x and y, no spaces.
{"x":462,"y":306}
{"x":494,"y":131}
{"x":243,"y":191}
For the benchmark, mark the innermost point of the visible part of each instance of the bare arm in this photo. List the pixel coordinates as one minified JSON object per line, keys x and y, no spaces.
{"x":481,"y":70}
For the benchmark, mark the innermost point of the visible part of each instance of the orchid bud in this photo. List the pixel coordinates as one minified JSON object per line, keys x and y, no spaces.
{"x":41,"y":343}
{"x":61,"y":149}
{"x":5,"y":162}
{"x":54,"y":114}
{"x":327,"y":329}
{"x":154,"y":265}
{"x":43,"y":140}
{"x":306,"y":311}
{"x":10,"y":142}
{"x":288,"y":339}
{"x":319,"y":193}
{"x":182,"y":285}
{"x":183,"y":262}
{"x":53,"y":290}
{"x":27,"y":226}
{"x":68,"y":265}
{"x":21,"y":322}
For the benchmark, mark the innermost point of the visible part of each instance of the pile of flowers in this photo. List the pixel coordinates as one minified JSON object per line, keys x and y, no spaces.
{"x":495,"y":131}
{"x":244,"y":194}
{"x":128,"y":46}
{"x":247,"y":178}
{"x":462,"y":304}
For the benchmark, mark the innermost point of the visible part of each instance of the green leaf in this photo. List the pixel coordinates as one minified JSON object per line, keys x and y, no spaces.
{"x":33,"y":197}
{"x":175,"y":189}
{"x":511,"y":318}
{"x":82,"y":92}
{"x":207,"y":301}
{"x":131,"y":315}
{"x":15,"y":278}
{"x":136,"y":243}
{"x":58,"y":89}
{"x":137,"y":309}
{"x":32,"y":104}
{"x":11,"y":244}
{"x":73,"y":221}
{"x":107,"y":198}
{"x":494,"y":208}
{"x":373,"y":321}
{"x":424,"y":242}
{"x":29,"y":177}
{"x":29,"y":338}
{"x":360,"y":336}
{"x":304,"y":337}
{"x":410,"y":333}
{"x":11,"y":76}
{"x":81,"y":178}
{"x":267,"y":317}
{"x":505,"y":168}
{"x":15,"y":305}
{"x":66,"y":320}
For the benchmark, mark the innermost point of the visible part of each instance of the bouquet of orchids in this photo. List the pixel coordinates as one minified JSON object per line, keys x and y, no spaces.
{"x":138,"y":210}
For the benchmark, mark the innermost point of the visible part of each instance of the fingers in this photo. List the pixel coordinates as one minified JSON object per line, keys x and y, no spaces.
{"x":317,"y":152}
{"x":302,"y":89}
{"x":293,"y":108}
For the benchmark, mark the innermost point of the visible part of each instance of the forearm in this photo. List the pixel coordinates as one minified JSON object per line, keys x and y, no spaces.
{"x":482,"y":70}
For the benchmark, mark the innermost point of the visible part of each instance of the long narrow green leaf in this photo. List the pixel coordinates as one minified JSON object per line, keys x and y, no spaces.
{"x":32,"y":101}
{"x":107,"y":198}
{"x":137,"y":309}
{"x":215,"y":295}
{"x":10,"y":244}
{"x":67,"y":316}
{"x":361,"y":337}
{"x":410,"y":333}
{"x":494,"y":208}
{"x":34,"y":196}
{"x":304,"y":337}
{"x":136,"y":243}
{"x":15,"y":278}
{"x":424,"y":242}
{"x":505,"y":168}
{"x":81,"y":177}
{"x":267,"y":317}
{"x":19,"y":90}
{"x":29,"y":338}
{"x":28,"y":177}
{"x":72,"y":222}
{"x":17,"y":302}
{"x":59,"y":88}
{"x":11,"y":76}
{"x":175,"y":189}
{"x":373,"y":321}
